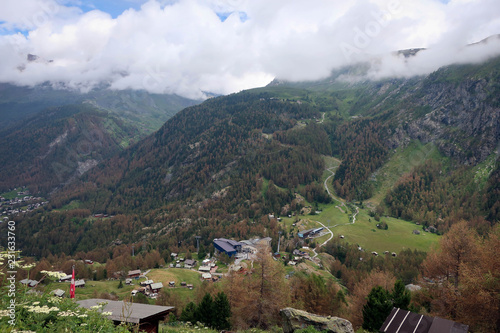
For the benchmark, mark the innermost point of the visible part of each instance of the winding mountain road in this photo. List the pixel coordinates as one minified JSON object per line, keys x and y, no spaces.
{"x":341,"y":204}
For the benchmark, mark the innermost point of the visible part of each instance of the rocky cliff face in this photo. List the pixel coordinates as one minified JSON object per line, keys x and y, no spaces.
{"x":461,"y":116}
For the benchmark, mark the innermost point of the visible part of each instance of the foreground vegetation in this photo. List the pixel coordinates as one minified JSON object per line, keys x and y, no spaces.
{"x":338,"y":284}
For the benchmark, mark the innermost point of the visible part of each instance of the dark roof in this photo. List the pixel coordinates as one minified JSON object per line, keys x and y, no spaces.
{"x":308,"y":231}
{"x":130,"y":313}
{"x":137,"y":271}
{"x":400,"y":321}
{"x":444,"y":325}
{"x":190,"y":262}
{"x":225,"y":245}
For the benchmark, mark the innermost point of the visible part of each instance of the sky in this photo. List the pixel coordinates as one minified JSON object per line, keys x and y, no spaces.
{"x":191,"y":47}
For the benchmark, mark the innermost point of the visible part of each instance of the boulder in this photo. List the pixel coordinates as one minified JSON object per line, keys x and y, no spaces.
{"x":294,"y":319}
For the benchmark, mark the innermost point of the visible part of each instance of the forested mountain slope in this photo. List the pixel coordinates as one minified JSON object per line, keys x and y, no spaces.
{"x":58,"y":145}
{"x":220,"y":167}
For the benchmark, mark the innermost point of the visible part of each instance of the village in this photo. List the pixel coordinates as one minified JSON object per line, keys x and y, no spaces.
{"x":186,"y":273}
{"x":20,"y":202}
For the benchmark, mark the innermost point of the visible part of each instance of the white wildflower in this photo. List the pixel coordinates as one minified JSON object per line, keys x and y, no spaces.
{"x":107,"y":313}
{"x":57,"y":275}
{"x":54,"y":299}
{"x":41,"y":309}
{"x":68,"y":313}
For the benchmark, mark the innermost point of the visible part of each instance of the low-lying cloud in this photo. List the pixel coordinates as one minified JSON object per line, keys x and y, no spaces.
{"x":190,"y":47}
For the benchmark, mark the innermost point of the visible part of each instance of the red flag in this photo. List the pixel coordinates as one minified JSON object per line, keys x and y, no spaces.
{"x":72,"y":286}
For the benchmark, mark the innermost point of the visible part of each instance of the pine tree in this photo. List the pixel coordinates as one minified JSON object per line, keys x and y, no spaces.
{"x":202,"y":253}
{"x":377,"y":308}
{"x":189,"y":313}
{"x":400,"y":296}
{"x":222,"y":310}
{"x":205,"y":311}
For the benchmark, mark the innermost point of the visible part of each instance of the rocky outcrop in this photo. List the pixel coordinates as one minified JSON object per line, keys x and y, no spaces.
{"x":461,"y":117}
{"x":294,"y":319}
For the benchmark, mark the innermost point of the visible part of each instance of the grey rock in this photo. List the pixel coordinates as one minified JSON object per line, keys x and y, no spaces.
{"x":294,"y":319}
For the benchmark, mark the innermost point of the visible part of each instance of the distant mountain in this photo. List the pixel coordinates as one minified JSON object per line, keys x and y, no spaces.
{"x":148,"y":110}
{"x":50,"y":137}
{"x":58,"y":145}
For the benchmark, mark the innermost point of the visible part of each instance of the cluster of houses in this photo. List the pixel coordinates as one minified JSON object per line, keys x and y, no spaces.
{"x":149,"y":287}
{"x":15,"y":206}
{"x":208,"y":269}
{"x":181,"y":262}
{"x":101,"y":215}
{"x":67,"y":278}
{"x":297,"y":257}
{"x":78,"y":283}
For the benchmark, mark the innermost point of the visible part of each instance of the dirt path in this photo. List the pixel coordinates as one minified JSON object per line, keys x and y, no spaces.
{"x":330,"y":193}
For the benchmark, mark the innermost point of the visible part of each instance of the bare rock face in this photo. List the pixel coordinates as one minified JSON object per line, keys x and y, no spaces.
{"x":294,"y":319}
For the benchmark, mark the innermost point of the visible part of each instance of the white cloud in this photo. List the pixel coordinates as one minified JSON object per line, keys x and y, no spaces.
{"x":183,"y":47}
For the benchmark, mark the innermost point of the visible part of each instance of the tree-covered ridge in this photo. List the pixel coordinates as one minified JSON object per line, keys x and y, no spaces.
{"x":312,"y":136}
{"x":435,"y":196}
{"x":195,"y":153}
{"x":362,"y":150}
{"x":58,"y":144}
{"x":211,"y":165}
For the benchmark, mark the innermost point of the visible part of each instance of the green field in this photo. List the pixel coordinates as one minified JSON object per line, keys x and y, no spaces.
{"x":93,"y":289}
{"x":175,"y":274}
{"x":13,"y":194}
{"x":364,"y":232}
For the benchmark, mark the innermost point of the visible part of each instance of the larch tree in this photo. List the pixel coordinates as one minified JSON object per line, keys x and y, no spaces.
{"x":268,"y":289}
{"x":468,"y":269}
{"x":359,"y":295}
{"x":457,"y":248}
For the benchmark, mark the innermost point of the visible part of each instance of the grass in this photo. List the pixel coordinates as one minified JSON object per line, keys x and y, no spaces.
{"x":399,"y":236}
{"x":93,"y":289}
{"x":12,"y":194}
{"x":483,"y":170}
{"x":175,"y":274}
{"x":364,"y":232}
{"x":74,"y":204}
{"x":401,"y":162}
